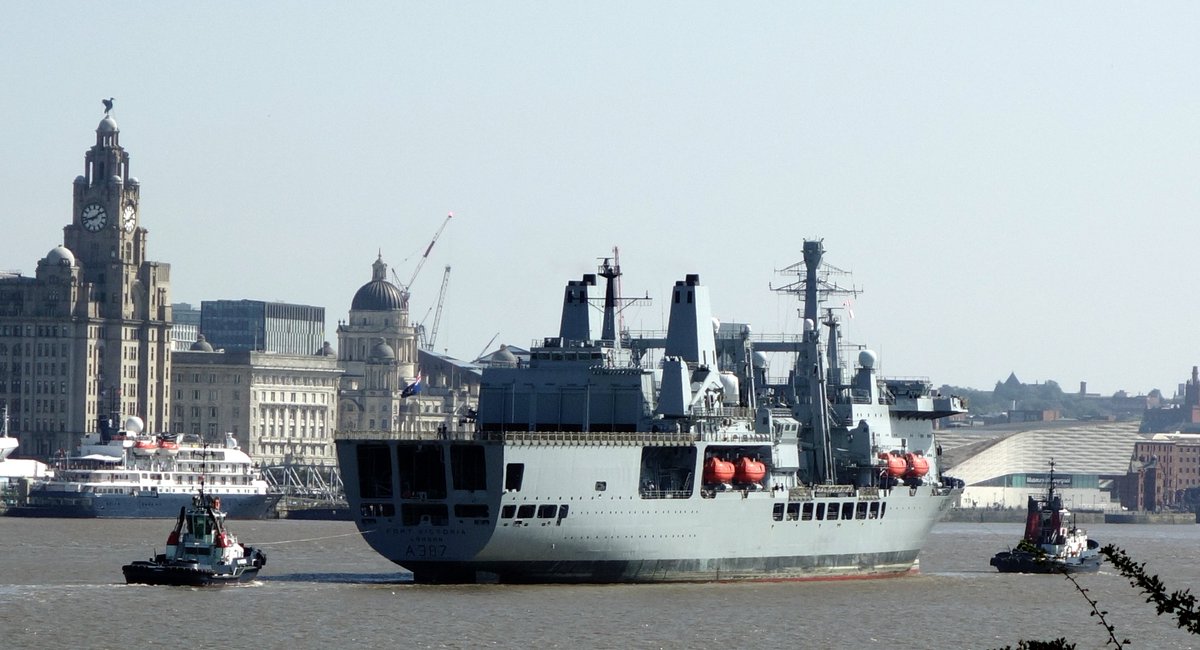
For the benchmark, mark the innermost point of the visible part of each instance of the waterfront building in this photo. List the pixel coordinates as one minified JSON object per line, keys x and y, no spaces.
{"x":88,"y":337}
{"x":263,"y":326}
{"x":280,"y":407}
{"x":389,"y":384}
{"x":1164,"y":473}
{"x":1003,"y":469}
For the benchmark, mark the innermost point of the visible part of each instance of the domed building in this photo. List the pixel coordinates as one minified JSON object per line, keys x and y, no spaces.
{"x":389,"y":384}
{"x":87,"y":338}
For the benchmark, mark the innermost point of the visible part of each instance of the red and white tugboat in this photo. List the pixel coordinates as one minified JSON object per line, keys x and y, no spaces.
{"x":1051,"y":544}
{"x":200,"y":552}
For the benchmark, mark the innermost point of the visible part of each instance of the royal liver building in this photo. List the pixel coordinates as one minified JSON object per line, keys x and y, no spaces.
{"x":87,"y":338}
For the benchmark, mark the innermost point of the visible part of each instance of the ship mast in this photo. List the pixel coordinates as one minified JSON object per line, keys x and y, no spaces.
{"x":811,"y":375}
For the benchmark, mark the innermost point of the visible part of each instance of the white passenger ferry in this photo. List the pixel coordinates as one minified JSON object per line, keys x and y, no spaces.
{"x":133,"y":474}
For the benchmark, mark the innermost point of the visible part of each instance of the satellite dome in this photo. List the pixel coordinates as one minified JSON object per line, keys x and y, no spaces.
{"x":382,"y":351}
{"x":60,"y":256}
{"x":201,"y":345}
{"x":378,"y":294}
{"x":867,"y":359}
{"x":134,"y":424}
{"x":504,"y":358}
{"x":108,"y":125}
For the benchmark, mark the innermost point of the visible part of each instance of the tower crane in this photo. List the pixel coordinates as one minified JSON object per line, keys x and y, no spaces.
{"x":404,"y":287}
{"x":427,"y":340}
{"x":437,"y":315}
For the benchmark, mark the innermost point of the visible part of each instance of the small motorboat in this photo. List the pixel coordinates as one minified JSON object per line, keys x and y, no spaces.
{"x":1050,"y":544}
{"x":200,"y":552}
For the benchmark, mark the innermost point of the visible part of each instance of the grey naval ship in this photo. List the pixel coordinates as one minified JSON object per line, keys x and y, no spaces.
{"x":590,"y":464}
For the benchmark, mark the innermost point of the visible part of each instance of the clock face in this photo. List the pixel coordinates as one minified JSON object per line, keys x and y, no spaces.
{"x":93,"y":217}
{"x":129,"y":217}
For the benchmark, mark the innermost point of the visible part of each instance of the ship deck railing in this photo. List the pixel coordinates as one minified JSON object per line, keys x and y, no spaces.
{"x":564,"y":437}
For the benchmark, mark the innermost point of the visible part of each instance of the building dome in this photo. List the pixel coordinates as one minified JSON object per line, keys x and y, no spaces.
{"x":201,"y":345}
{"x":108,"y":125}
{"x":81,"y":180}
{"x":60,"y":256}
{"x":379,"y":294}
{"x":326,"y":350}
{"x":382,"y":351}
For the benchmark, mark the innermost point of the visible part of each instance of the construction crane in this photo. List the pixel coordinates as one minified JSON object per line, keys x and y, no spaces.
{"x":437,"y":315}
{"x":427,"y":340}
{"x":404,"y":287}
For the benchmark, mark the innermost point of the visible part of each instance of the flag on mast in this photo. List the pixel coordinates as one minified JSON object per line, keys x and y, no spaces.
{"x":413,"y":388}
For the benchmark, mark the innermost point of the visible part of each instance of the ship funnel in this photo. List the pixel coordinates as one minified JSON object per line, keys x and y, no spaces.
{"x":690,"y":330}
{"x":576,"y":324}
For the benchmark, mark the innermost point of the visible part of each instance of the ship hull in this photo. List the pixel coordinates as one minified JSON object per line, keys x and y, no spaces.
{"x":581,"y":515}
{"x":48,"y":503}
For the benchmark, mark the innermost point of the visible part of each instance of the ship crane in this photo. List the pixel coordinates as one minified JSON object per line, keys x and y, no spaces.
{"x":404,"y":287}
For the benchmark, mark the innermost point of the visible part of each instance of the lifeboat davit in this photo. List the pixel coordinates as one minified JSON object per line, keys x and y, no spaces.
{"x":749,"y":470}
{"x":717,"y":470}
{"x":917,"y":465}
{"x":895,"y":464}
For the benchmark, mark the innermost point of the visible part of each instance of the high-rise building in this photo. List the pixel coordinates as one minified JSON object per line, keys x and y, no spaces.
{"x":88,"y":337}
{"x":185,"y":326}
{"x":262,"y":326}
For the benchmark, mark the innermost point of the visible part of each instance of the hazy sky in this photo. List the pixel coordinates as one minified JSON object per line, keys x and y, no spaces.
{"x":1013,"y":185}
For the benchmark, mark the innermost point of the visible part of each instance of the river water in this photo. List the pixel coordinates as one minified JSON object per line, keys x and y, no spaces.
{"x":323,"y":587}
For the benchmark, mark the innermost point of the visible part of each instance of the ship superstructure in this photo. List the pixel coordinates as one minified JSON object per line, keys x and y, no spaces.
{"x":588,"y":464}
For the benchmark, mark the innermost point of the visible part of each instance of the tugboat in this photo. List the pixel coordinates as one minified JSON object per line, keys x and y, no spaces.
{"x":1050,"y":545}
{"x":200,"y":552}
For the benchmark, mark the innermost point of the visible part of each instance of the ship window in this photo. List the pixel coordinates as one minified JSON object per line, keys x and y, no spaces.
{"x":820,"y":511}
{"x":467,"y":467}
{"x":882,"y":510}
{"x":525,"y":512}
{"x":471,"y":510}
{"x":508,"y":511}
{"x":513,"y":474}
{"x":847,"y":511}
{"x":860,"y":510}
{"x":777,"y":512}
{"x":422,"y":471}
{"x":874,"y":510}
{"x":793,"y":511}
{"x":374,"y":472}
{"x":562,"y":514}
{"x":546,"y":511}
{"x":433,"y":514}
{"x":378,"y":510}
{"x":807,"y":515}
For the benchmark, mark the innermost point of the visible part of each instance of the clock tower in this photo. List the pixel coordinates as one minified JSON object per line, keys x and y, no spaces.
{"x":128,"y":295}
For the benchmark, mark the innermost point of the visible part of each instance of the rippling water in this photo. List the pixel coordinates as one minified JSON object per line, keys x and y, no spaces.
{"x":61,"y":586}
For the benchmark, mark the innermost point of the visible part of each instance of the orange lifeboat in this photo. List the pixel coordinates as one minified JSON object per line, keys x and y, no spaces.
{"x":895,"y":464}
{"x":917,"y":465}
{"x":717,"y":470}
{"x":145,"y":447}
{"x":750,"y":470}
